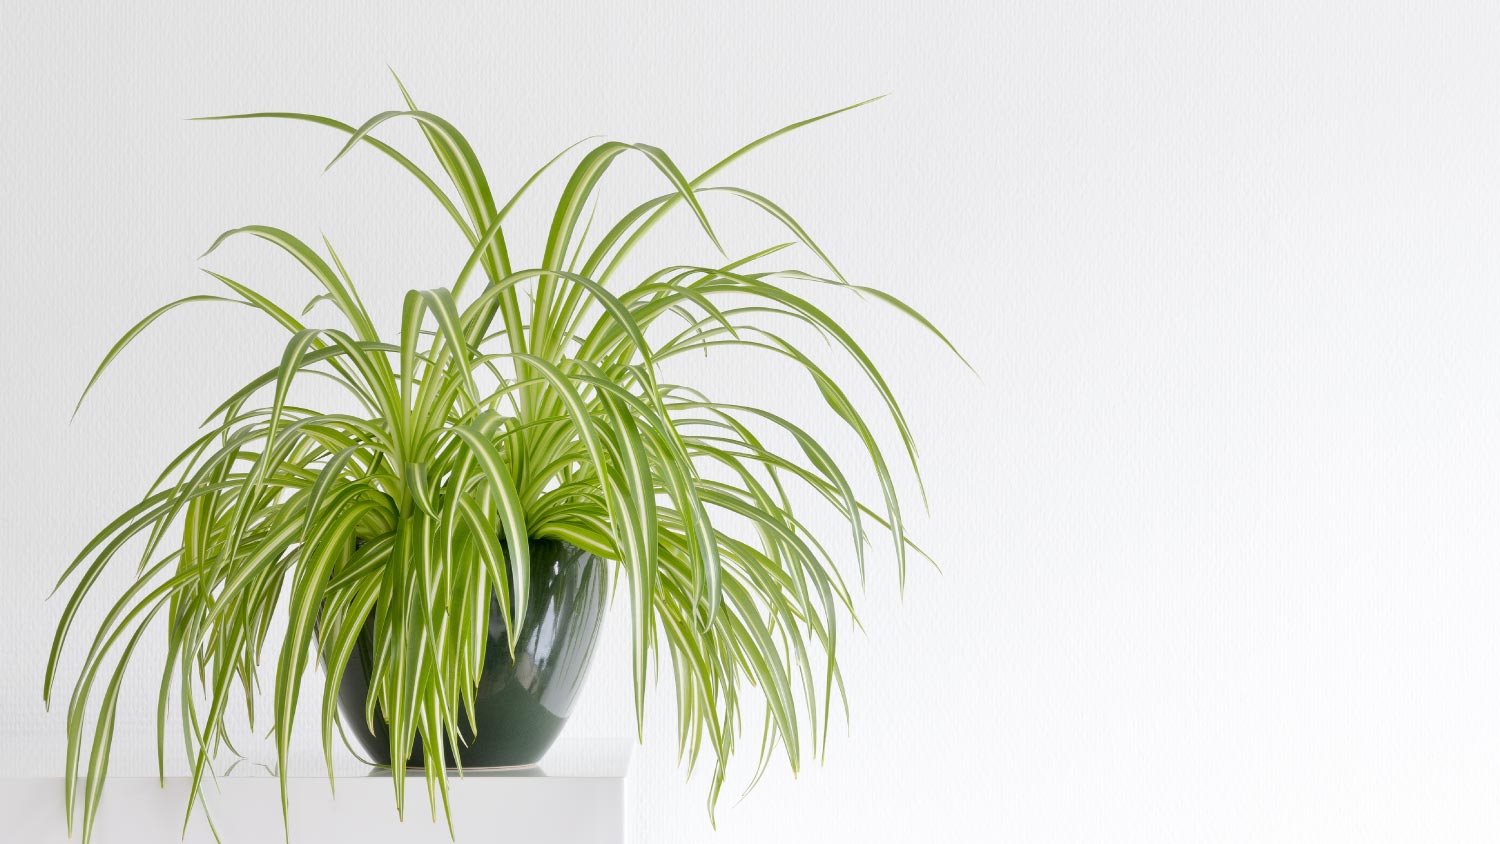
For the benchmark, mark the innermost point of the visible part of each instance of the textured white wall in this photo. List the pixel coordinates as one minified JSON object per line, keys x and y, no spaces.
{"x":1218,"y":523}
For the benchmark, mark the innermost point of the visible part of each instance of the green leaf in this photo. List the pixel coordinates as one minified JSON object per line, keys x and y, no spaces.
{"x":124,"y":341}
{"x":340,"y":294}
{"x":512,"y":517}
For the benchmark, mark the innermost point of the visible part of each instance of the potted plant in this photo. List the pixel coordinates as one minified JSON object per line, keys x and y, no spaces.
{"x":441,"y":544}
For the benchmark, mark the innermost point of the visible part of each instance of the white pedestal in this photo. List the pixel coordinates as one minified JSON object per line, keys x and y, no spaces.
{"x":576,"y":794}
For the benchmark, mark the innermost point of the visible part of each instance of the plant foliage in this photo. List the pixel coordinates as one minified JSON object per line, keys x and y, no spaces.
{"x":532,"y":407}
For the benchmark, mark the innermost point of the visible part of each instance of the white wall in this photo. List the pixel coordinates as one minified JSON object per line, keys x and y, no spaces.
{"x":1218,"y":523}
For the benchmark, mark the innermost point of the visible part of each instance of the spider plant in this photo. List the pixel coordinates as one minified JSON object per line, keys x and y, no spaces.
{"x":514,"y":403}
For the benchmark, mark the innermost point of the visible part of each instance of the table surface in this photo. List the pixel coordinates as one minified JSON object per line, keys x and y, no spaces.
{"x":576,"y":794}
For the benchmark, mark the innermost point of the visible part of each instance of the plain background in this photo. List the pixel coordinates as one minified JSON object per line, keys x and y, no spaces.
{"x":1218,"y":519}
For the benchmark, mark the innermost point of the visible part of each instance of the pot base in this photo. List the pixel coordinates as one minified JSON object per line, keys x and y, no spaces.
{"x":475,"y":769}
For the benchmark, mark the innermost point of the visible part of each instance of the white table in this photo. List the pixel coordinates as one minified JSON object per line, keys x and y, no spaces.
{"x":576,"y":794}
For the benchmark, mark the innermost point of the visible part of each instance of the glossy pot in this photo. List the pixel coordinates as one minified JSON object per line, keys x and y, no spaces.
{"x":521,"y":705}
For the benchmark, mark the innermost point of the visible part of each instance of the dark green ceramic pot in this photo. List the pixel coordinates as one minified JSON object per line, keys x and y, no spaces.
{"x":520,"y":705}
